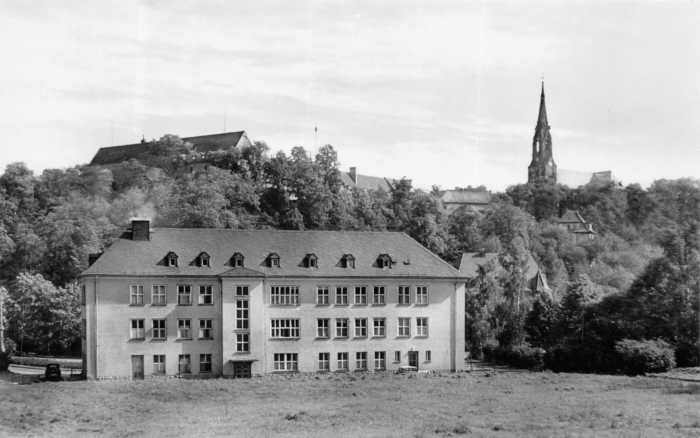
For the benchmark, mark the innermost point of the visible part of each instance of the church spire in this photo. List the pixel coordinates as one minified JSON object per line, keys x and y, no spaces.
{"x":542,"y":119}
{"x":542,"y":166}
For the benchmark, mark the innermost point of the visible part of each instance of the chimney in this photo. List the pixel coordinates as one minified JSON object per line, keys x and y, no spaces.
{"x":353,"y":174}
{"x":140,"y":230}
{"x":92,"y":258}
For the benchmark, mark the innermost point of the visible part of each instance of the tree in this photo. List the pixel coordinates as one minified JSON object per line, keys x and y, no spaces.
{"x":541,"y":322}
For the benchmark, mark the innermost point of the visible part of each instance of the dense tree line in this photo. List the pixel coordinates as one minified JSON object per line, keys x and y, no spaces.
{"x":646,"y":253}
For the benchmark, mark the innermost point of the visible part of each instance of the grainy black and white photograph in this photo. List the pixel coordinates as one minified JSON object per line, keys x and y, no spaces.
{"x":349,"y":218}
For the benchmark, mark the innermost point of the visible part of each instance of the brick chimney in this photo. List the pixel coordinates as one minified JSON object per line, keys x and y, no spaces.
{"x":140,"y":230}
{"x":353,"y":174}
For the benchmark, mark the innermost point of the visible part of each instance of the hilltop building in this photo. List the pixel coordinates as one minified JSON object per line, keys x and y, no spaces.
{"x":353,"y":179}
{"x":235,"y":303}
{"x":453,"y":200}
{"x":577,"y":226}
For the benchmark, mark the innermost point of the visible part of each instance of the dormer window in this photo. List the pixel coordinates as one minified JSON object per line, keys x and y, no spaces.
{"x":348,"y":261}
{"x":384,"y":261}
{"x":171,"y":259}
{"x":273,"y":260}
{"x":237,"y":260}
{"x":203,"y":260}
{"x":311,"y":261}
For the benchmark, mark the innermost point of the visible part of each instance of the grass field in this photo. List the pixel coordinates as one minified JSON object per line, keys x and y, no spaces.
{"x":386,"y":405}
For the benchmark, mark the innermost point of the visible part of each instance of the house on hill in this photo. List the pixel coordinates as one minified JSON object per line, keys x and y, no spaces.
{"x":353,"y":179}
{"x":453,"y":200}
{"x":577,"y":226}
{"x":536,"y":278}
{"x":236,"y":303}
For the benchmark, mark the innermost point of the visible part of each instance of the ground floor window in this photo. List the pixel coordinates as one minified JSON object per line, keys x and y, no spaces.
{"x":205,"y":363}
{"x":342,"y":361}
{"x":184,"y":365}
{"x":379,"y":360}
{"x":159,"y":364}
{"x":361,"y":360}
{"x":428,"y":356}
{"x":286,"y":362}
{"x":324,"y":361}
{"x":397,"y":356}
{"x":242,"y":342}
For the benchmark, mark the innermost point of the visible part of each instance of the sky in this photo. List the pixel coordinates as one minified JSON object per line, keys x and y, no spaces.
{"x":441,"y":92}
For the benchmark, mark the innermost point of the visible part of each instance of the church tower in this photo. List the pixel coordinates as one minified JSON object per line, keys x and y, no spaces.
{"x":542,"y":165}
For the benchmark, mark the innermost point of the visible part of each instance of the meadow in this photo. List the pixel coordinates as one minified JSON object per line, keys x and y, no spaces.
{"x":503,"y":404}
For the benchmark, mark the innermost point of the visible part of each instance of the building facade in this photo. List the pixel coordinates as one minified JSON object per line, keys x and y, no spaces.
{"x":174,"y":302}
{"x":577,"y":226}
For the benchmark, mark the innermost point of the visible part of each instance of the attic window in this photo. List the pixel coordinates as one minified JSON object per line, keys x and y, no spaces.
{"x":237,"y":260}
{"x":348,"y":261}
{"x":273,"y":260}
{"x":204,"y":260}
{"x":384,"y":261}
{"x":311,"y":261}
{"x":171,"y":259}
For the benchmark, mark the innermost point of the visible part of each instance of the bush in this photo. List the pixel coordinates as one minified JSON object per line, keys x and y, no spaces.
{"x":4,"y":361}
{"x":687,"y":355}
{"x":572,"y":357}
{"x":488,"y":350}
{"x":640,"y":357}
{"x":526,"y":357}
{"x":43,"y":361}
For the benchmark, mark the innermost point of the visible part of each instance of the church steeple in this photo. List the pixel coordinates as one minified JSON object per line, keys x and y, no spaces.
{"x":542,"y":165}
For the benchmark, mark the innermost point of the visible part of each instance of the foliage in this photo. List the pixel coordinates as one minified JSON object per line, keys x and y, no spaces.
{"x":5,"y":360}
{"x":43,"y":361}
{"x":645,"y":356}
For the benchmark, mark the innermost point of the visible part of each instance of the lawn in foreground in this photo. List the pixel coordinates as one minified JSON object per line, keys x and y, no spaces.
{"x":382,"y":405}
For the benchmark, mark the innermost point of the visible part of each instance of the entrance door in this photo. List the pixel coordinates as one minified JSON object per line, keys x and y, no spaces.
{"x":136,"y":367}
{"x":413,"y":359}
{"x":241,"y":370}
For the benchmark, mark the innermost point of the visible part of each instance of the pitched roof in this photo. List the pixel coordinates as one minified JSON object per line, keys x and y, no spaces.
{"x":202,"y":144}
{"x":129,"y":257}
{"x":367,"y":182}
{"x":466,"y":197}
{"x":571,"y":216}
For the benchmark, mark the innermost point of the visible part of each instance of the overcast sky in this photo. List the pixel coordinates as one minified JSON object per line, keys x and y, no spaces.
{"x":443,"y":93}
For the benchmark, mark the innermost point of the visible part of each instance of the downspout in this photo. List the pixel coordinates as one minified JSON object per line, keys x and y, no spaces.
{"x":221,"y":322}
{"x":97,"y":319}
{"x":264,"y":340}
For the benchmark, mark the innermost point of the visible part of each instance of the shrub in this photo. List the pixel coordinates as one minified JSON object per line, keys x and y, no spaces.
{"x":4,"y":361}
{"x":42,"y":361}
{"x":640,"y":357}
{"x":526,"y":357}
{"x":573,"y":357}
{"x":488,"y":350}
{"x":687,"y":355}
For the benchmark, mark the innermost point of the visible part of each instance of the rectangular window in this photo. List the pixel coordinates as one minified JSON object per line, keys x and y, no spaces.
{"x":242,"y":308}
{"x":206,"y":295}
{"x":184,"y":329}
{"x":284,"y":295}
{"x":136,"y":296}
{"x":360,"y":294}
{"x":184,"y":295}
{"x":158,"y":295}
{"x":397,"y":356}
{"x":205,"y":329}
{"x":183,"y":365}
{"x":360,"y":327}
{"x":341,"y":328}
{"x":241,"y":291}
{"x":284,"y":328}
{"x":137,"y":331}
{"x":404,"y":326}
{"x":379,"y":327}
{"x":341,"y":295}
{"x":242,"y":342}
{"x":159,"y":364}
{"x":404,"y":294}
{"x":159,"y":331}
{"x":428,"y":356}
{"x":324,"y":361}
{"x":285,"y":361}
{"x":322,"y":293}
{"x":342,"y":361}
{"x":82,"y":294}
{"x":205,"y":363}
{"x":361,"y":360}
{"x":421,"y":326}
{"x":379,"y":295}
{"x":379,"y":360}
{"x":422,"y":295}
{"x":323,"y":328}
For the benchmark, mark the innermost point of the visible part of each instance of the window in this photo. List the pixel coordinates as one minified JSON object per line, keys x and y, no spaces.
{"x":238,"y":260}
{"x":360,"y":294}
{"x":184,"y":329}
{"x":285,"y":361}
{"x":348,"y":261}
{"x":421,"y":326}
{"x":206,"y":295}
{"x":379,"y":327}
{"x":82,"y":294}
{"x":428,"y":356}
{"x":379,"y":295}
{"x":311,"y":261}
{"x":159,"y":364}
{"x":242,"y":342}
{"x":136,"y":296}
{"x":361,"y":360}
{"x":322,"y":295}
{"x":273,"y":260}
{"x":242,"y":307}
{"x":184,"y":295}
{"x":172,"y":259}
{"x":422,"y":295}
{"x":341,"y":328}
{"x":205,"y":363}
{"x":397,"y":356}
{"x":137,"y":331}
{"x":360,"y":328}
{"x":284,"y":295}
{"x":379,"y":360}
{"x":183,"y":365}
{"x":404,"y":295}
{"x":205,"y":329}
{"x":158,"y":295}
{"x":323,"y":328}
{"x":404,"y":326}
{"x":159,"y":330}
{"x":384,"y":261}
{"x":204,"y":261}
{"x":241,"y":291}
{"x":342,"y":361}
{"x":350,"y":264}
{"x":284,"y":328}
{"x":324,"y":361}
{"x":341,"y":295}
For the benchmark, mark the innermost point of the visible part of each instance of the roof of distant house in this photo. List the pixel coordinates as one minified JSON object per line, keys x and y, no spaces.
{"x":470,"y":262}
{"x":571,"y":216}
{"x":367,"y":182}
{"x":145,"y":258}
{"x":202,"y":144}
{"x":466,"y":197}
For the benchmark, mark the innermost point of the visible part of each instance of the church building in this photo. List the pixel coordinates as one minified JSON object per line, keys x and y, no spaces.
{"x":542,"y":165}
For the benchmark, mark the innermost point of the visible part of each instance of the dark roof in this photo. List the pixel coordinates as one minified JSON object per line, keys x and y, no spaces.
{"x":367,"y":182}
{"x":470,"y":262}
{"x":129,"y":257}
{"x":466,"y":197}
{"x":202,"y":144}
{"x":571,"y":216}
